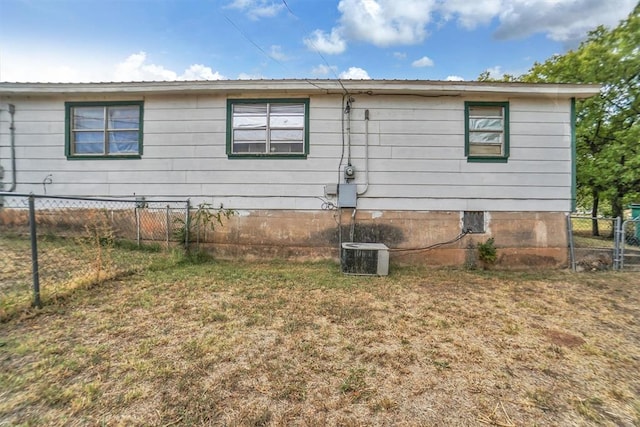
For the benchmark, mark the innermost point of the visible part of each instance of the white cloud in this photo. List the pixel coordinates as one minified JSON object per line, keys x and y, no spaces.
{"x":323,"y":70}
{"x":495,"y":72}
{"x":454,"y":79}
{"x":386,"y":22}
{"x":561,"y":20}
{"x":257,"y":9}
{"x":425,"y":61}
{"x":46,"y":64}
{"x":136,"y":68}
{"x":331,"y":44}
{"x":277,"y":53}
{"x":391,"y":22}
{"x":55,"y":67}
{"x":355,"y":73}
{"x":470,"y":14}
{"x":200,"y":72}
{"x":400,"y":55}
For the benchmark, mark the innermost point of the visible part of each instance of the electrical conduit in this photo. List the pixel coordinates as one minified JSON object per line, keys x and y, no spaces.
{"x":12,"y":129}
{"x":366,"y":153}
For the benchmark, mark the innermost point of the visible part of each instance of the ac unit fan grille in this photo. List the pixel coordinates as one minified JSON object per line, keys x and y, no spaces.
{"x":365,"y":259}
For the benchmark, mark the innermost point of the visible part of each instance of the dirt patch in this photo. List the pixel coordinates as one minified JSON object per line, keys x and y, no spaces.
{"x":564,"y":339}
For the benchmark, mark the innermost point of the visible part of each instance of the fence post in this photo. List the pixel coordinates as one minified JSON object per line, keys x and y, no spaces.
{"x":34,"y":252}
{"x":623,"y":241}
{"x":138,"y":226}
{"x":617,"y":250}
{"x":187,"y":226}
{"x":168,"y":218}
{"x":572,"y":255}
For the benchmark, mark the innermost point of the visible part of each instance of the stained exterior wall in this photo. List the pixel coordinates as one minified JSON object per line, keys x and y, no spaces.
{"x":523,"y":239}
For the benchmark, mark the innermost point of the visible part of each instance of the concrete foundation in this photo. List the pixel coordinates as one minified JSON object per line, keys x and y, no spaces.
{"x":523,"y":239}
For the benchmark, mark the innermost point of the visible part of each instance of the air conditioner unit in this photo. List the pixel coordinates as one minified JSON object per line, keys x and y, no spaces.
{"x":365,"y":259}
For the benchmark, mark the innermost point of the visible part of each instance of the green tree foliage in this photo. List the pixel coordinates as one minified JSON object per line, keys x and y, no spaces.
{"x":608,"y":126}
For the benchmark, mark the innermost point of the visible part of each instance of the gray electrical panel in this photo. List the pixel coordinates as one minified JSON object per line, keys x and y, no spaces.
{"x":347,"y":197}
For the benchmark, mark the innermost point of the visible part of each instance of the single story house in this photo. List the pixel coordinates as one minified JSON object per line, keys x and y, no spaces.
{"x":308,"y":163}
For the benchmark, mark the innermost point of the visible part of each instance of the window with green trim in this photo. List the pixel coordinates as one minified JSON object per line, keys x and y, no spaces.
{"x":487,"y":131}
{"x":104,"y":129}
{"x":269,"y":128}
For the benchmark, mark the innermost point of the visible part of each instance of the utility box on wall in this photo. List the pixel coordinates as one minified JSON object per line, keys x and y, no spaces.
{"x":370,"y":259}
{"x":347,"y":197}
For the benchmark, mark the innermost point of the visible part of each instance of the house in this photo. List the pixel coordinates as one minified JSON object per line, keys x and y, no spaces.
{"x":307,"y":163}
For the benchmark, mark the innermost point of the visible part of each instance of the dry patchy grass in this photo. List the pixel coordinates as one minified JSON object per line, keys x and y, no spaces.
{"x":67,"y":264}
{"x":275,"y":344}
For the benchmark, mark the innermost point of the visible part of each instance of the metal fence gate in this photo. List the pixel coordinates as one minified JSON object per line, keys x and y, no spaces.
{"x":629,"y":240}
{"x":603,"y":243}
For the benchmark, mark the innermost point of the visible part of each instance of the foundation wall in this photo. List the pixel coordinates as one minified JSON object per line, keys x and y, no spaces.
{"x":523,"y":239}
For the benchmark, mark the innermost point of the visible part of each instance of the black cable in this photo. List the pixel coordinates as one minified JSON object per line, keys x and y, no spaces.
{"x":435,"y":245}
{"x":315,"y":49}
{"x":326,"y":204}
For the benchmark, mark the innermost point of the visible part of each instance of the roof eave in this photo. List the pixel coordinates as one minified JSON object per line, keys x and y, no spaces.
{"x":305,"y":87}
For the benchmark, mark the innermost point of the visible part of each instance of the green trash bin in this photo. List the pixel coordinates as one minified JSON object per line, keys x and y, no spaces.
{"x":635,"y":214}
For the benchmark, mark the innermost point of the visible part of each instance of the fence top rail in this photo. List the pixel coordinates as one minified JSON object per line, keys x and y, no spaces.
{"x":599,"y":218}
{"x":94,"y":199}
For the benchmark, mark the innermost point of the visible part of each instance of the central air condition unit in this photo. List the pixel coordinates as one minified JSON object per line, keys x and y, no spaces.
{"x":365,"y":259}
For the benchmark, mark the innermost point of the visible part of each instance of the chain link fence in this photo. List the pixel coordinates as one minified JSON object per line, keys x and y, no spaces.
{"x":629,"y":255}
{"x":51,"y":245}
{"x":603,"y":243}
{"x":592,"y":242}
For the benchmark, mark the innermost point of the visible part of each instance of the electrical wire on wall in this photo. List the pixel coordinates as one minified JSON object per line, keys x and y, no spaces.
{"x":403,"y":251}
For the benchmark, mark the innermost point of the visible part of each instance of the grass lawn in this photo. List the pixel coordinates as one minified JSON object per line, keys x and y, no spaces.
{"x":249,"y":344}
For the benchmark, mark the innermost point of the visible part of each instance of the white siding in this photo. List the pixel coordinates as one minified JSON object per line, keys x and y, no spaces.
{"x":416,"y":155}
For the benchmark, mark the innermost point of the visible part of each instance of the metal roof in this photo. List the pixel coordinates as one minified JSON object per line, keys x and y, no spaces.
{"x":306,"y":87}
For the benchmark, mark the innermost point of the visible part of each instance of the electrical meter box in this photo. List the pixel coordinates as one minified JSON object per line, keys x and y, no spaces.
{"x":347,"y":196}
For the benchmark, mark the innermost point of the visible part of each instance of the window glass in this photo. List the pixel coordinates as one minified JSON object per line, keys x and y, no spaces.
{"x":124,"y":117}
{"x":89,"y":142}
{"x":88,"y":118}
{"x":487,"y":130}
{"x":104,"y":130}
{"x":272,"y":127}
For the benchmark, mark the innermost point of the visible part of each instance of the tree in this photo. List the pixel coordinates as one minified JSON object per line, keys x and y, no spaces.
{"x":608,"y":126}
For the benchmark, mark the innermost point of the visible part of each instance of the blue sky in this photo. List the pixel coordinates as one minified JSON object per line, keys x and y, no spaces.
{"x":135,"y":40}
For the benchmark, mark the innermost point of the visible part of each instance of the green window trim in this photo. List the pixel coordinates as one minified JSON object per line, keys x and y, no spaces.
{"x":71,"y":132}
{"x":267,"y":102}
{"x":502,"y":134}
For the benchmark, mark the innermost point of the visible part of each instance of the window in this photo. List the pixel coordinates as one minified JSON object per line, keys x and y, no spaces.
{"x":487,"y":131}
{"x":473,"y":221}
{"x":104,"y":129}
{"x":268,"y":128}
